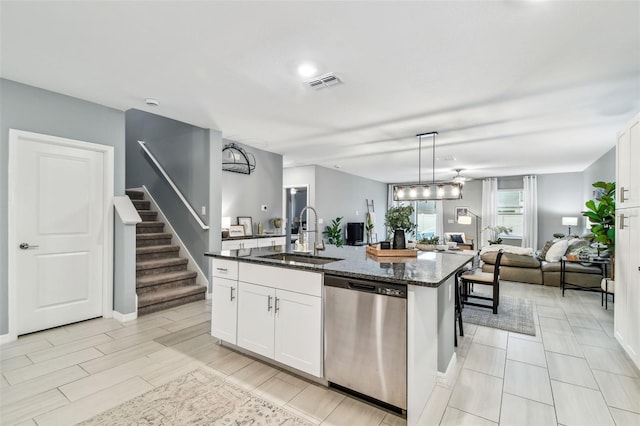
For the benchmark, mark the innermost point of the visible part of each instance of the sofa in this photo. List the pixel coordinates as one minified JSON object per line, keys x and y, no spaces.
{"x":523,"y":265}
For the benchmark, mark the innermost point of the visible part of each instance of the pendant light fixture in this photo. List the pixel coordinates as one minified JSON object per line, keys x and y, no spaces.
{"x":430,"y":191}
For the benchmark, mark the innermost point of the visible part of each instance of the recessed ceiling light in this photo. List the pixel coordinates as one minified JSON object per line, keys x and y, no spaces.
{"x":307,"y":69}
{"x":151,"y":102}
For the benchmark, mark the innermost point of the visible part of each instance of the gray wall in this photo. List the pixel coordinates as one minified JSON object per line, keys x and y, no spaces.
{"x":183,"y":151}
{"x":32,"y":109}
{"x":342,"y":194}
{"x":242,"y":195}
{"x":603,"y":169}
{"x":559,"y":194}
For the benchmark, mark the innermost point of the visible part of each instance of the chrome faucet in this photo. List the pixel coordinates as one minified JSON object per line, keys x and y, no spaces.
{"x":319,"y":243}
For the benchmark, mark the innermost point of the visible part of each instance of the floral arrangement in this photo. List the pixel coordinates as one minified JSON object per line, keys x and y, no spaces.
{"x":496,"y":231}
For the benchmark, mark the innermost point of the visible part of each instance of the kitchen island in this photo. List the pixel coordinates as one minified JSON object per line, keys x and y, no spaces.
{"x":270,"y":302}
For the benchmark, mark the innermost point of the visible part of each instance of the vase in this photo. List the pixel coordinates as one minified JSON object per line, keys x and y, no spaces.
{"x":399,"y":242}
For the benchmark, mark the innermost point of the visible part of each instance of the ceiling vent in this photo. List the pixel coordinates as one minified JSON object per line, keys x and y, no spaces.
{"x":326,"y":80}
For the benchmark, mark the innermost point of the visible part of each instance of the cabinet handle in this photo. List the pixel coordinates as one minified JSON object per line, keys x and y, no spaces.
{"x":268,"y":303}
{"x":622,"y":191}
{"x":222,"y":269}
{"x":231,"y":294}
{"x":621,"y":220}
{"x":277,"y":305}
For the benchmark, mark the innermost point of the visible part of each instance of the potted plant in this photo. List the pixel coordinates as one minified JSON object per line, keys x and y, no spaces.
{"x":601,"y":213}
{"x":333,"y":232}
{"x":428,"y":244}
{"x":398,"y":221}
{"x":496,"y":231}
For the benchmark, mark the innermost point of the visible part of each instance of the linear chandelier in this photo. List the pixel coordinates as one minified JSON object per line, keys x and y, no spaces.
{"x":429,"y":191}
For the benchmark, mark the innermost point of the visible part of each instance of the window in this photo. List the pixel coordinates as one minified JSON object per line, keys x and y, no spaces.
{"x":424,"y":216}
{"x":510,"y":211}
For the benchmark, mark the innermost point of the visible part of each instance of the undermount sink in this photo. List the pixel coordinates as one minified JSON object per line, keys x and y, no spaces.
{"x":301,"y":258}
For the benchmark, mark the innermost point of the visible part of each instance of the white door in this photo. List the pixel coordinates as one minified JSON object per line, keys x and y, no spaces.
{"x":298,"y":333}
{"x":255,"y":318}
{"x":57,"y":206}
{"x":224,"y":309}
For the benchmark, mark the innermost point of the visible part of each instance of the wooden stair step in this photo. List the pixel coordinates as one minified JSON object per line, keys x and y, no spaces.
{"x":135,"y":194}
{"x":153,"y":236}
{"x":164,"y":278}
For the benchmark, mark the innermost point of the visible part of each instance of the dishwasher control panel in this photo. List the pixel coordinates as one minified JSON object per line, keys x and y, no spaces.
{"x":392,"y":292}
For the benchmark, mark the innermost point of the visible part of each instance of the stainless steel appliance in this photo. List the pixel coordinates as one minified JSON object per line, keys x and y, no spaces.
{"x":366,"y":338}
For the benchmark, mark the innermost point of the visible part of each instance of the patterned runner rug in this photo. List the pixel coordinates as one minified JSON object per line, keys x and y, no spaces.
{"x":197,"y":398}
{"x":514,"y":314}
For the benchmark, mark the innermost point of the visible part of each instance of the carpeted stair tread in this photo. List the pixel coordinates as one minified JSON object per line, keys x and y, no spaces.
{"x":153,"y":235}
{"x":157,"y":249}
{"x":150,"y":223}
{"x":170,"y":294}
{"x":135,"y":194}
{"x":160,"y":263}
{"x":166,"y":277}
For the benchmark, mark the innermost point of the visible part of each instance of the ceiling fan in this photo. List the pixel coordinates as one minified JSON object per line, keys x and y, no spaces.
{"x":458,"y":178}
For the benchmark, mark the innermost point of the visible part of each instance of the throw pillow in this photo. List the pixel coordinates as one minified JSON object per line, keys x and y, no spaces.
{"x":545,"y":249}
{"x":456,"y":238}
{"x":557,"y":250}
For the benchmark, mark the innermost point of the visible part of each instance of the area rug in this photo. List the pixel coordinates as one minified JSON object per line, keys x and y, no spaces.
{"x":197,"y":398}
{"x":514,"y":314}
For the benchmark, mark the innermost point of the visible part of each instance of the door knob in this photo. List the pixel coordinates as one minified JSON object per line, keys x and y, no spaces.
{"x":26,"y":246}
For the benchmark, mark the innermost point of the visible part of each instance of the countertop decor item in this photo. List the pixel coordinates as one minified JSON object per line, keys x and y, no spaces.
{"x":247,"y":223}
{"x":398,"y":221}
{"x":376,"y":251}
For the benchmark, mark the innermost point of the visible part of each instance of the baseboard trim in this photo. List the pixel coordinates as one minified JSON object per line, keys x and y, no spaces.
{"x":124,"y":317}
{"x":6,"y":338}
{"x":450,"y":367}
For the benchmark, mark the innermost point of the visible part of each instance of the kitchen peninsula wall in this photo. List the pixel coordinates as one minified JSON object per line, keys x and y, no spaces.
{"x":334,"y":193}
{"x":242,"y":195}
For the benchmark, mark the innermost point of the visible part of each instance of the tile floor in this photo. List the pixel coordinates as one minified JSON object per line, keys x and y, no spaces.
{"x":572,"y":372}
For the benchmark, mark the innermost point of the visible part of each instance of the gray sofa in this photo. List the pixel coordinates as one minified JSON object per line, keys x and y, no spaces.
{"x":530,"y":269}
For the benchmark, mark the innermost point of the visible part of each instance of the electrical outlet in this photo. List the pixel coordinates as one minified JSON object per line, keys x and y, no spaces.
{"x":320,"y":221}
{"x":356,"y":212}
{"x":263,"y":207}
{"x":204,"y":210}
{"x":450,"y":221}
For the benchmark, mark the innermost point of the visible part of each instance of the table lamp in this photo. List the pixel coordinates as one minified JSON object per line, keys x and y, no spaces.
{"x":570,"y":221}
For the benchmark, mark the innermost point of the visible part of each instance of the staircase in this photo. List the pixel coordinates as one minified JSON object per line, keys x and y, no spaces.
{"x":162,"y":278}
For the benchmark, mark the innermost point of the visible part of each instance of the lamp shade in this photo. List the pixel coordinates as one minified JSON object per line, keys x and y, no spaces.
{"x":570,"y":221}
{"x":464,"y":220}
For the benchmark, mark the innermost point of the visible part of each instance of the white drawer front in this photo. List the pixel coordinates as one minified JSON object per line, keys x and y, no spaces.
{"x":223,"y":268}
{"x":282,"y":278}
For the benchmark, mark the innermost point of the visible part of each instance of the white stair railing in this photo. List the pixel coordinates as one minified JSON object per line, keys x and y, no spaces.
{"x":173,"y":186}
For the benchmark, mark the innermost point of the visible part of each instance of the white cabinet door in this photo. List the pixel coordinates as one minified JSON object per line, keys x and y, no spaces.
{"x":224,"y":309}
{"x":627,"y":159}
{"x":622,"y":261}
{"x":298,"y":331}
{"x":255,"y":318}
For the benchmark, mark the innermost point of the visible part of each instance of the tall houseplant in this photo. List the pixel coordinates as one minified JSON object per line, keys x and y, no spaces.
{"x":398,"y":221}
{"x":601,"y":213}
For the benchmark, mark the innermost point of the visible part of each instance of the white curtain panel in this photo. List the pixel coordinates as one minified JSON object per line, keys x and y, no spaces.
{"x":489,"y":208}
{"x":530,"y":228}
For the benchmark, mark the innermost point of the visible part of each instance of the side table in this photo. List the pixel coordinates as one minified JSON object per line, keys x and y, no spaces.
{"x":602,"y":263}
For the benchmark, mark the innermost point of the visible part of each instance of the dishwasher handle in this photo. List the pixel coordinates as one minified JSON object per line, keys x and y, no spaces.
{"x":369,"y":288}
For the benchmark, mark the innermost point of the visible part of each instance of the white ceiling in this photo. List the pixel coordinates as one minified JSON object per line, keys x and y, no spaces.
{"x":512,"y":87}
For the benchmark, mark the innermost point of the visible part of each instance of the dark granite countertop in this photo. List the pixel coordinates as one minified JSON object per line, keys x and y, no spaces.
{"x":429,"y":269}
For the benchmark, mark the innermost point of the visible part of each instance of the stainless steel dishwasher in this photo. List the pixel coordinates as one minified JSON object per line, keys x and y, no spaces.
{"x":366,"y":338}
